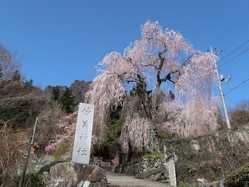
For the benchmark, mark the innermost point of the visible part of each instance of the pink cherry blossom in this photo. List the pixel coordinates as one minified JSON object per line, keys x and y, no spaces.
{"x":50,"y":148}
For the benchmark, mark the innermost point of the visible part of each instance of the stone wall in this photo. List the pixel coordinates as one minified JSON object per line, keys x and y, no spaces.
{"x":210,"y":156}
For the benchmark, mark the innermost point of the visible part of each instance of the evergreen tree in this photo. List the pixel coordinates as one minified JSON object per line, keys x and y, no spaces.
{"x":16,"y":76}
{"x":55,"y":93}
{"x":29,"y":83}
{"x":67,"y":101}
{"x":1,"y":72}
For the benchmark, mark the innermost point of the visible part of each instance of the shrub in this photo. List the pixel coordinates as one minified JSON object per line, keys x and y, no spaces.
{"x":240,"y":116}
{"x":9,"y":155}
{"x":79,"y":89}
{"x":21,"y":111}
{"x":110,"y":144}
{"x":46,"y":128}
{"x":9,"y":88}
{"x":67,"y":101}
{"x":50,"y":149}
{"x":61,"y":149}
{"x":239,"y":178}
{"x":31,"y":180}
{"x":154,"y":155}
{"x":184,"y":184}
{"x":20,"y":103}
{"x":34,"y":180}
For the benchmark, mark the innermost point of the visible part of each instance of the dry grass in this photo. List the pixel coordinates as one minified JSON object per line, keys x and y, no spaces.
{"x":10,"y":155}
{"x":47,"y":126}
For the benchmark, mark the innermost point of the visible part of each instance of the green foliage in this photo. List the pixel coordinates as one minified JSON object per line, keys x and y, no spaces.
{"x":67,"y":101}
{"x":166,"y":135}
{"x":110,"y":144}
{"x":61,"y":150}
{"x":184,"y":184}
{"x":114,"y":130}
{"x":113,"y":134}
{"x":28,"y":83}
{"x":34,"y":180}
{"x":56,"y":93}
{"x":154,"y":155}
{"x":140,"y":91}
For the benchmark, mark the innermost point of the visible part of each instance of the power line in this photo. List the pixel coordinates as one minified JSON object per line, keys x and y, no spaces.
{"x":234,"y":50}
{"x":234,"y":57}
{"x":237,"y":86}
{"x":231,"y":57}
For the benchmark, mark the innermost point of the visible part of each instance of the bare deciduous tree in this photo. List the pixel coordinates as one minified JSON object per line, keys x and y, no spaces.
{"x":8,"y":69}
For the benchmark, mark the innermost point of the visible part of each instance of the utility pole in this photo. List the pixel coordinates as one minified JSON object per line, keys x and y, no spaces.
{"x":222,"y":96}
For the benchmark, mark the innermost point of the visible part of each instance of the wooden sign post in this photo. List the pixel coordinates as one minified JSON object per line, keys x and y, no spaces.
{"x":83,"y":134}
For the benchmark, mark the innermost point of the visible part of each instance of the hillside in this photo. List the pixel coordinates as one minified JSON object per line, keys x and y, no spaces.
{"x":152,"y":116}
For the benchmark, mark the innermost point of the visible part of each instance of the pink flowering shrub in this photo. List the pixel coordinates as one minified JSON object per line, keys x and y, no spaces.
{"x":115,"y":161}
{"x":50,"y":149}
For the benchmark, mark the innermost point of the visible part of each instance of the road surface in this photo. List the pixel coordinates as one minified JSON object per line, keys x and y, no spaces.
{"x":129,"y":181}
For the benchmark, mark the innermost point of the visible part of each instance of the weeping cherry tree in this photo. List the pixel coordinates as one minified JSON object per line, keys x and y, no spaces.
{"x":160,"y":57}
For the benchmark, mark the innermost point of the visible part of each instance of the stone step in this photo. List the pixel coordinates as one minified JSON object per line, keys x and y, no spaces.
{"x":129,"y":181}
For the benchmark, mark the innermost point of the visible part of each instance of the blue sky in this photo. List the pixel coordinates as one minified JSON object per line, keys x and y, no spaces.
{"x":59,"y":41}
